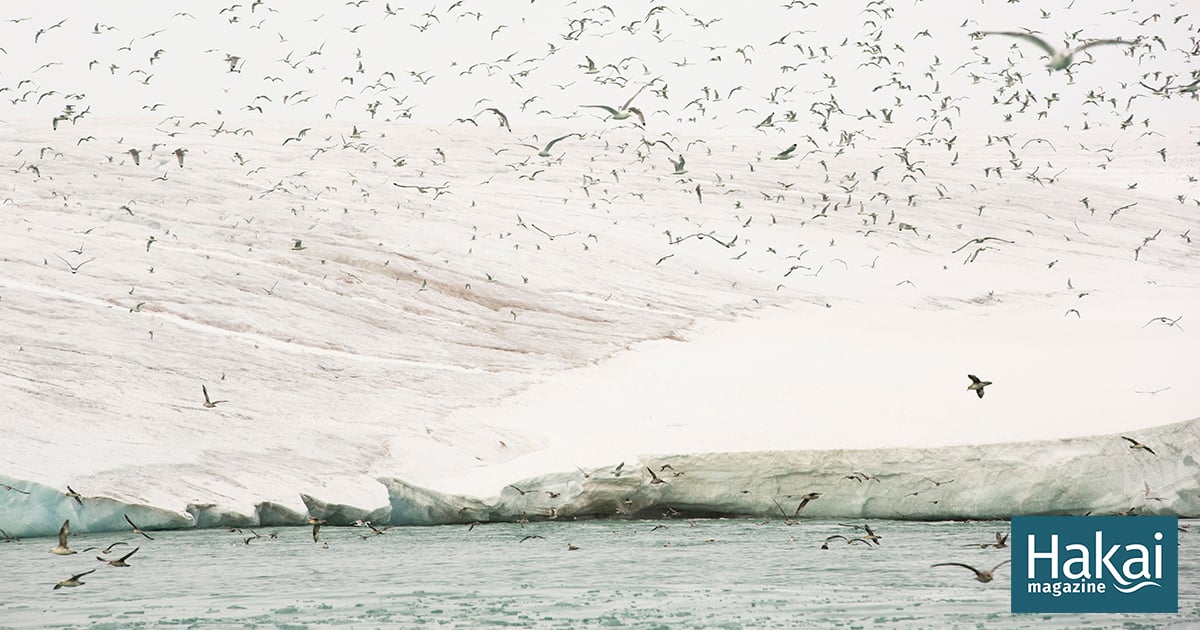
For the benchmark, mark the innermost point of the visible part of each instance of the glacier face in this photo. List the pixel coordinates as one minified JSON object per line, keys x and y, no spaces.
{"x":1089,"y":475}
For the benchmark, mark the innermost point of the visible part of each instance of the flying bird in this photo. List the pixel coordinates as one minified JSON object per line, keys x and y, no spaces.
{"x":654,"y":478}
{"x":136,"y":529}
{"x":977,"y":384}
{"x":982,"y":576}
{"x":785,"y":154}
{"x":545,"y":152}
{"x":1134,"y":444}
{"x":626,"y":110}
{"x":62,"y":549}
{"x":316,"y":523}
{"x":73,"y":580}
{"x":119,"y":562}
{"x":208,"y":404}
{"x":1060,"y":59}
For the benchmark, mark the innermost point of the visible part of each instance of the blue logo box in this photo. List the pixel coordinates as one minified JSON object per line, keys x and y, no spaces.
{"x":1100,"y":564}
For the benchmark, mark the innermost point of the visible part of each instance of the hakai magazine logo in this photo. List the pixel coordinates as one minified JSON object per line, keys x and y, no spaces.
{"x":1095,"y":564}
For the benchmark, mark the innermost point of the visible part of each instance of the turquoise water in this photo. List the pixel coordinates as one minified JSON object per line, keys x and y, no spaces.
{"x":699,"y":574}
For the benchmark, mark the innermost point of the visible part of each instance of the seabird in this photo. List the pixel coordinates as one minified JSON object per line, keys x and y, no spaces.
{"x":316,"y":523}
{"x":73,"y":580}
{"x":179,"y":153}
{"x":4,"y":537}
{"x":209,"y":404}
{"x":982,"y":576}
{"x":679,"y":166}
{"x":119,"y":562}
{"x":1059,"y":59}
{"x":136,"y":155}
{"x":1138,"y":445}
{"x":785,"y":154}
{"x":977,"y":384}
{"x":545,"y":152}
{"x":786,"y":520}
{"x":499,"y":114}
{"x":136,"y":529}
{"x":8,"y":487}
{"x":804,"y":499}
{"x":62,"y":549}
{"x":654,"y":479}
{"x":74,"y":495}
{"x":849,"y":541}
{"x":626,"y":110}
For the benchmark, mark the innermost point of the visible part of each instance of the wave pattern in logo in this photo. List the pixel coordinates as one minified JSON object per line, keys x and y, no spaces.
{"x":1136,"y":587}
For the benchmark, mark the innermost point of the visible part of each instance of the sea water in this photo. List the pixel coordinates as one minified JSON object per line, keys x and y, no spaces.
{"x":724,"y":573}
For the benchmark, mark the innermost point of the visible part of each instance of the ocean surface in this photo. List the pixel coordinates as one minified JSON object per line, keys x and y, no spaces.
{"x":735,"y":573}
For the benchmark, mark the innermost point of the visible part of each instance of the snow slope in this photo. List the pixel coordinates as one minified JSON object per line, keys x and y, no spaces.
{"x":394,"y":294}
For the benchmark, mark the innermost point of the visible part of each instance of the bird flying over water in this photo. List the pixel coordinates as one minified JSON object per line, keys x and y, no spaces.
{"x":73,"y":580}
{"x":62,"y":549}
{"x":982,"y":576}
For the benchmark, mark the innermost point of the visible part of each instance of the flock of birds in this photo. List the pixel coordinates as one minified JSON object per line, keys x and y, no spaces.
{"x":809,"y":122}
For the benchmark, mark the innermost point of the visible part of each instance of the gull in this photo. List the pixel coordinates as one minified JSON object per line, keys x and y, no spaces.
{"x":654,"y":479}
{"x":982,"y":576}
{"x":1174,"y":323}
{"x":136,"y":155}
{"x":208,"y":404}
{"x":136,"y":529}
{"x":977,"y":384}
{"x":1001,"y":542}
{"x":785,"y":154}
{"x":1134,"y":444}
{"x":679,"y":166}
{"x":62,"y":549}
{"x":870,"y":537}
{"x":849,"y":541}
{"x":179,"y":153}
{"x":786,"y":520}
{"x":316,"y":523}
{"x":119,"y":562}
{"x":73,"y":580}
{"x":74,"y":268}
{"x":4,"y":537}
{"x":8,"y":487}
{"x":74,"y":495}
{"x":1059,"y":59}
{"x":804,"y":499}
{"x":545,"y":152}
{"x":499,"y":114}
{"x":107,"y":549}
{"x":626,"y":110}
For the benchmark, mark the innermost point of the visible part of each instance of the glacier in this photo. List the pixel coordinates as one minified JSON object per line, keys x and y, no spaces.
{"x":1098,"y":475}
{"x":403,"y":313}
